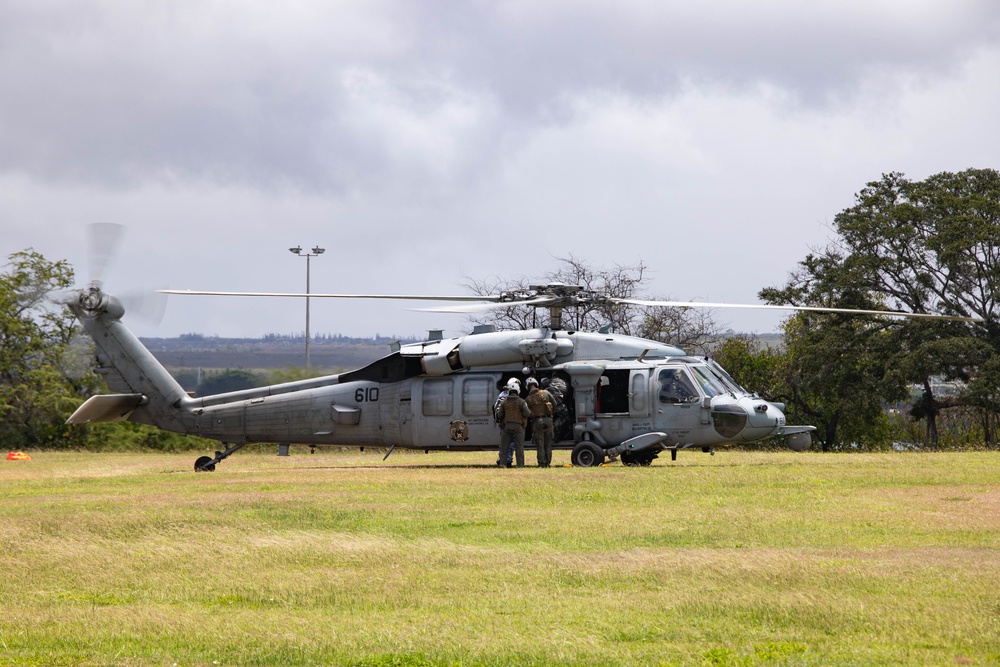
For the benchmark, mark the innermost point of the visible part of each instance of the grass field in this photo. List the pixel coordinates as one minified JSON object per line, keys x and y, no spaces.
{"x":442,"y":559}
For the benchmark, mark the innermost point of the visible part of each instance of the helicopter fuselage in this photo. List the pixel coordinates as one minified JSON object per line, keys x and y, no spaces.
{"x":608,"y":402}
{"x":613,"y":391}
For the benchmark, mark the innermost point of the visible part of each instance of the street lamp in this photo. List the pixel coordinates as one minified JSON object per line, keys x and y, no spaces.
{"x":307,"y":254}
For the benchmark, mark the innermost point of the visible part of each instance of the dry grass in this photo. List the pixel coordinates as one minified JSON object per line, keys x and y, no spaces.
{"x":338,"y":558}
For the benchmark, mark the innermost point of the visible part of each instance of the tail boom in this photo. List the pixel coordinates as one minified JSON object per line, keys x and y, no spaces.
{"x":147,"y":393}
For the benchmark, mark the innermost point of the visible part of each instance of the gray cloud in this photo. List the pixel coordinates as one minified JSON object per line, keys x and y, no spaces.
{"x":711,"y":140}
{"x":305,"y":96}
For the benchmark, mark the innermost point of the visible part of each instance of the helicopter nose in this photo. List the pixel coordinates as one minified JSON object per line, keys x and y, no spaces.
{"x":764,"y":418}
{"x":746,"y":419}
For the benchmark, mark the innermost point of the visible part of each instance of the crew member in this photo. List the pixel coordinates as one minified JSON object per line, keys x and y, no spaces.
{"x":562,"y":420}
{"x":498,"y":414}
{"x":541,"y":408}
{"x":515,"y":418}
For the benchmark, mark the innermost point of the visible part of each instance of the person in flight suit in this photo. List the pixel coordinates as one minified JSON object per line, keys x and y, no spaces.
{"x":541,"y":408}
{"x":515,"y":418}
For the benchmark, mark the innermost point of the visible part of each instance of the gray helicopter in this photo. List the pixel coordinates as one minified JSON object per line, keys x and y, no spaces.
{"x":621,"y":397}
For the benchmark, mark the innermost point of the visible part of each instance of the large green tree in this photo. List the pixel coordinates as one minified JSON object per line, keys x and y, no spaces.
{"x":41,"y":377}
{"x":928,"y":247}
{"x":757,"y":367}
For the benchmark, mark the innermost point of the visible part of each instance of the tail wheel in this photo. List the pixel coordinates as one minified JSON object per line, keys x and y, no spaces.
{"x":204,"y":464}
{"x":587,"y":455}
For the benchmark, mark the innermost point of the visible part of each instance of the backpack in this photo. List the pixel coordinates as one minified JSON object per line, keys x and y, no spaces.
{"x":498,"y":411}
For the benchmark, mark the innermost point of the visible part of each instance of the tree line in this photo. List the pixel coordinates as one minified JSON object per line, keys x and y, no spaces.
{"x":930,"y":246}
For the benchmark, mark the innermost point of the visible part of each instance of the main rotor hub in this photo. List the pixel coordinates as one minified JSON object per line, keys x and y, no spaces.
{"x":556,"y":289}
{"x":553,"y":295}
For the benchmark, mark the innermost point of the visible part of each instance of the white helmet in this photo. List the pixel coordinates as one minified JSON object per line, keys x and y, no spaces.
{"x":531,"y":381}
{"x":514,"y":383}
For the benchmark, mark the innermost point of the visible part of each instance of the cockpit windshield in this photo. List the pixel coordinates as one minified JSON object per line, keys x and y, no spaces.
{"x":710,"y":384}
{"x":727,"y":378}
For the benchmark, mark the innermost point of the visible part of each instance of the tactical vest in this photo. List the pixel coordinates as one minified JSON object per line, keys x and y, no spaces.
{"x":514,"y":408}
{"x":540,"y":403}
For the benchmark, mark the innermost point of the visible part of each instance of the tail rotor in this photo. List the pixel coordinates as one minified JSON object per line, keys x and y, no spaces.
{"x":103,"y":245}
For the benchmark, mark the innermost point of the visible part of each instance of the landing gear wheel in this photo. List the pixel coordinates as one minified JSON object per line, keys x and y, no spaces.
{"x":207,"y":463}
{"x":587,"y":455}
{"x":204,"y":464}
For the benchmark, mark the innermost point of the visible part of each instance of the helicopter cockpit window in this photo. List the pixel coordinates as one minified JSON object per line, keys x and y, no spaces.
{"x":676,"y":387}
{"x":727,"y":378}
{"x":710,"y":384}
{"x":436,"y":397}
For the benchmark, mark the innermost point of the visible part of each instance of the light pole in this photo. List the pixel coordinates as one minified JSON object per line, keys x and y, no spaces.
{"x":307,"y":254}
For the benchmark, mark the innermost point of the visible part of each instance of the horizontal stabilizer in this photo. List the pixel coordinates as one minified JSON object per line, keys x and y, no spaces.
{"x":107,"y":408}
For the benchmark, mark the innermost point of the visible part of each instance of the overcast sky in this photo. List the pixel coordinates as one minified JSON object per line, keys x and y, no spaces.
{"x":424,"y":143}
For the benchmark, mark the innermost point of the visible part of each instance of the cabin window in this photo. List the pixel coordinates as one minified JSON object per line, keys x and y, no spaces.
{"x":437,"y":397}
{"x":477,"y":396}
{"x":639,"y":392}
{"x":612,"y":393}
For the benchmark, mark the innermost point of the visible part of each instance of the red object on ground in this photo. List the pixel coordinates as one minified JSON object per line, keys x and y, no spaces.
{"x":18,"y":456}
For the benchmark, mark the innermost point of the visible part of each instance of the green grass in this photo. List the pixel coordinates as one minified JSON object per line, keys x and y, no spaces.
{"x":443,"y":559}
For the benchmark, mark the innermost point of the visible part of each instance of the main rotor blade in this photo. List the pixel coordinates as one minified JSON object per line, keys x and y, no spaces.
{"x":486,"y":303}
{"x":815,"y":309}
{"x":321,"y":295}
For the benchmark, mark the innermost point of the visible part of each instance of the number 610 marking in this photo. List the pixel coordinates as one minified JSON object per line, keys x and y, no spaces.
{"x":366,"y":395}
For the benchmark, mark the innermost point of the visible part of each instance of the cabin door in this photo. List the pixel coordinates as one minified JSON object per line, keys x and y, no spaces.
{"x":389,"y":414}
{"x":638,"y":395}
{"x":433,"y":411}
